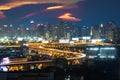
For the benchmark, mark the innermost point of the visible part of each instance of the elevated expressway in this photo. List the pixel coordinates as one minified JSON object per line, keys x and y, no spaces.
{"x":60,"y":58}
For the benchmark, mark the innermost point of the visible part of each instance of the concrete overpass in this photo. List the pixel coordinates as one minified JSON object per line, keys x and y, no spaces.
{"x":62,"y":63}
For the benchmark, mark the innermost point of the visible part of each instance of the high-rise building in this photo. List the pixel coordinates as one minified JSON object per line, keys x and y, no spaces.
{"x":72,"y":29}
{"x":111,"y":32}
{"x":52,"y":31}
{"x":102,"y":31}
{"x":22,"y":31}
{"x":94,"y":32}
{"x":32,"y":28}
{"x":41,"y":30}
{"x":62,"y":30}
{"x":37,"y":33}
{"x":46,"y":31}
{"x":84,"y":31}
{"x":68,"y":31}
{"x":11,"y":30}
{"x":32,"y":25}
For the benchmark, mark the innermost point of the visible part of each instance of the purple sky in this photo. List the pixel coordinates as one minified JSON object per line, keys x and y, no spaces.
{"x":84,"y":12}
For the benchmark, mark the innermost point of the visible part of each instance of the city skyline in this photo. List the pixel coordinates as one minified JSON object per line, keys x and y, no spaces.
{"x":84,"y":12}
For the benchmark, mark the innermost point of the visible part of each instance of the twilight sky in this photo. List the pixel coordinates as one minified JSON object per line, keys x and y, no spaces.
{"x":84,"y":12}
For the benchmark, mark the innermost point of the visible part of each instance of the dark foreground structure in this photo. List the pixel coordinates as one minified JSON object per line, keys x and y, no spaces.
{"x":92,"y":70}
{"x":31,"y":75}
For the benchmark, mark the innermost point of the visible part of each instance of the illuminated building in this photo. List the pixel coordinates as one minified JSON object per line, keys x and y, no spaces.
{"x":22,"y":31}
{"x":62,"y":30}
{"x":32,"y":25}
{"x":68,"y":31}
{"x":84,"y":31}
{"x":37,"y":30}
{"x":97,"y":32}
{"x":94,"y":32}
{"x":46,"y":31}
{"x":41,"y":30}
{"x":53,"y":33}
{"x":101,"y":52}
{"x":32,"y":28}
{"x":73,"y":30}
{"x":102,"y":31}
{"x":111,"y":32}
{"x":5,"y":30}
{"x":50,"y":32}
{"x":12,"y":30}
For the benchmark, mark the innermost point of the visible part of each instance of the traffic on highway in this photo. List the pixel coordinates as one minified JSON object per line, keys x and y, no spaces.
{"x":15,"y":55}
{"x":34,"y":53}
{"x":48,"y":53}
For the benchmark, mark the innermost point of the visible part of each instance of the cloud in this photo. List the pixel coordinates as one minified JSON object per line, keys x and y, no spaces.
{"x":2,"y":16}
{"x":30,"y":14}
{"x":13,"y":4}
{"x":68,"y":17}
{"x":9,"y":4}
{"x":55,"y":7}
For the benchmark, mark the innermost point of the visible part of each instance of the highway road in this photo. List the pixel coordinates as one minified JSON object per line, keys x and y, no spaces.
{"x":54,"y":53}
{"x":58,"y":53}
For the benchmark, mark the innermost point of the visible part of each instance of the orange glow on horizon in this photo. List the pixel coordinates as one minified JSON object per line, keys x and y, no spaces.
{"x":68,"y":17}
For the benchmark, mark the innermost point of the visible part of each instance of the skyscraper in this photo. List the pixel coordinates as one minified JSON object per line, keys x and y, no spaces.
{"x":111,"y":31}
{"x":22,"y":31}
{"x":102,"y":31}
{"x":94,"y":32}
{"x":32,"y":25}
{"x":32,"y":28}
{"x":62,"y":30}
{"x":84,"y":31}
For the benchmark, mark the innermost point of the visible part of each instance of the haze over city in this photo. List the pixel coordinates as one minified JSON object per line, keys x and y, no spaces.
{"x":84,"y":12}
